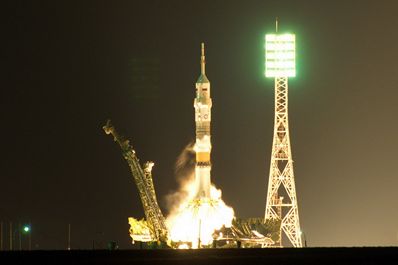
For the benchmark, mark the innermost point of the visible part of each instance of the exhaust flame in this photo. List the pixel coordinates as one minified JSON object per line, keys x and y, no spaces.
{"x":194,"y":220}
{"x":197,"y":219}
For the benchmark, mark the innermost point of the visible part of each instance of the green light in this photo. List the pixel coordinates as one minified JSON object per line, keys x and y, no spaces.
{"x":280,"y":55}
{"x":26,"y":229}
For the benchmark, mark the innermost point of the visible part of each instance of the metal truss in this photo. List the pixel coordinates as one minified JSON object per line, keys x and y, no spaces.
{"x":281,"y":175}
{"x":144,"y":182}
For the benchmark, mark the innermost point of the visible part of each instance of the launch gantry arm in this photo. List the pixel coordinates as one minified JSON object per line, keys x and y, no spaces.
{"x":144,"y":182}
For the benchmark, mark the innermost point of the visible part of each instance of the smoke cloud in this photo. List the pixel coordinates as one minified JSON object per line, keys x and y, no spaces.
{"x":184,"y":173}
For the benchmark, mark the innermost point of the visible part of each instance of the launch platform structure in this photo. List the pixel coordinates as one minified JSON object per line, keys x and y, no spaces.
{"x":280,"y":64}
{"x":144,"y":182}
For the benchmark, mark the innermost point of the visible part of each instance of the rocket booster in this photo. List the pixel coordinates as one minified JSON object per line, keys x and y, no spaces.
{"x":202,"y":104}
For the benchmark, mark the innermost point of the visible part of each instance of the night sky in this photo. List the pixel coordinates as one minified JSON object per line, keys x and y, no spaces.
{"x":69,"y":66}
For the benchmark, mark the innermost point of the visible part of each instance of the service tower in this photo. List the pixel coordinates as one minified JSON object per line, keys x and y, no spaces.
{"x":280,"y":64}
{"x":202,"y":104}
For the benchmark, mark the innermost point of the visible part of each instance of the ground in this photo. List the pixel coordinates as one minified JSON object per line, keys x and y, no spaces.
{"x":286,"y":256}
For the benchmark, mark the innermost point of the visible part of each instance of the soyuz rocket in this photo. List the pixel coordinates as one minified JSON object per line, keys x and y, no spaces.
{"x":202,"y":104}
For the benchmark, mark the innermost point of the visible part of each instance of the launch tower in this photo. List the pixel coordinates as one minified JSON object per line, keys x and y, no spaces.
{"x":280,"y":64}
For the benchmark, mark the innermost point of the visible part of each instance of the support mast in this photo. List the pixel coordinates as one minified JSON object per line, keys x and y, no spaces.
{"x":280,"y":64}
{"x":144,"y":182}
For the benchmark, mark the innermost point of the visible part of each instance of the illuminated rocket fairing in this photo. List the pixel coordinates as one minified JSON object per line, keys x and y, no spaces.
{"x":202,"y":104}
{"x":201,"y":210}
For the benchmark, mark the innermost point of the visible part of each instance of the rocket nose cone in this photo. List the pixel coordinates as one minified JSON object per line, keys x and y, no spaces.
{"x":202,"y":79}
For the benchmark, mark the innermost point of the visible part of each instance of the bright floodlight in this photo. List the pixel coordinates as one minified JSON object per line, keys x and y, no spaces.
{"x":280,"y":55}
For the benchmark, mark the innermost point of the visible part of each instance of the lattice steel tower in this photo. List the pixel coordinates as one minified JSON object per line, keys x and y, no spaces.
{"x":280,"y":64}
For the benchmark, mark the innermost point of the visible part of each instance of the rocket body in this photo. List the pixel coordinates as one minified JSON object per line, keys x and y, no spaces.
{"x":202,"y":104}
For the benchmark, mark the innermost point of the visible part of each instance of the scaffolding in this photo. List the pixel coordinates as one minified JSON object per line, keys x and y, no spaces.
{"x":143,"y":179}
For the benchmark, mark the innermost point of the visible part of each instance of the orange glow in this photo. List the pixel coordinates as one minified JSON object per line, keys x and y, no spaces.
{"x":194,"y":220}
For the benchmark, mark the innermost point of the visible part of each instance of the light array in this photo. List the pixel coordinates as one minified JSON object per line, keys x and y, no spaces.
{"x":280,"y":55}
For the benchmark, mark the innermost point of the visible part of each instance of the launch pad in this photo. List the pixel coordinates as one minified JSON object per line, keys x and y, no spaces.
{"x":201,"y":219}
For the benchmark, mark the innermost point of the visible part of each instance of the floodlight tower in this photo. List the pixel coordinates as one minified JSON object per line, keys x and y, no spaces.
{"x":280,"y":64}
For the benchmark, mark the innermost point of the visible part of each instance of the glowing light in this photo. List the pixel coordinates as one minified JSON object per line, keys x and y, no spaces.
{"x":194,"y":220}
{"x":280,"y":55}
{"x":183,"y":246}
{"x":139,"y":230}
{"x":26,"y":228}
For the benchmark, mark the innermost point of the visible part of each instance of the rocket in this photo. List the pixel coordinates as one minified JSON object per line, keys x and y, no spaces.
{"x":202,"y":104}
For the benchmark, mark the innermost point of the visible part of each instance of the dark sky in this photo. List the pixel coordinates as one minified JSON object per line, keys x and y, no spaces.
{"x":68,"y":66}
